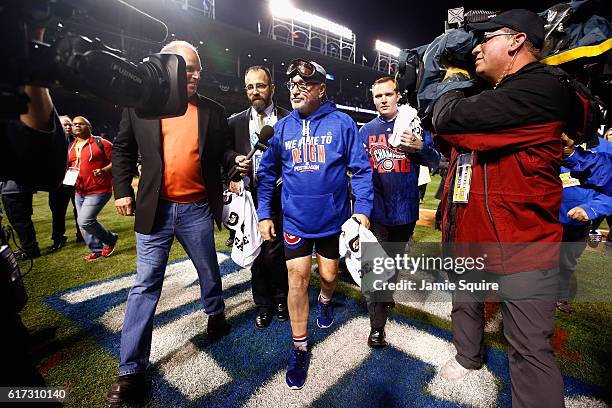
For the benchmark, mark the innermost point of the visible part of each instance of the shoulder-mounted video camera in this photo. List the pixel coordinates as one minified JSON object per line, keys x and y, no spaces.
{"x":155,"y":87}
{"x":578,"y":39}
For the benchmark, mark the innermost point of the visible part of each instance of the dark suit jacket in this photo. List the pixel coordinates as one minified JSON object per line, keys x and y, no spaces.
{"x":240,"y":135}
{"x":239,"y":127}
{"x":143,"y":136}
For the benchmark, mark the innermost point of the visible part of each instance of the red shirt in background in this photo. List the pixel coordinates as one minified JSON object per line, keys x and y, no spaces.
{"x":91,"y":158}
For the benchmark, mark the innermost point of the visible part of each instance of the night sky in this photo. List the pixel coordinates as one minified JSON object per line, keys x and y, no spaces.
{"x":405,"y":24}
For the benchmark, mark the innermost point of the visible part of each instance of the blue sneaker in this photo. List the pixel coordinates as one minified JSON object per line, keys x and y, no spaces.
{"x":325,"y":314}
{"x":297,"y":371}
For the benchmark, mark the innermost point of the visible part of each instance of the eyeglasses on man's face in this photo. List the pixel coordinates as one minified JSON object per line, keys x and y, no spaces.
{"x":488,"y":36}
{"x":301,"y":85}
{"x":259,"y":86}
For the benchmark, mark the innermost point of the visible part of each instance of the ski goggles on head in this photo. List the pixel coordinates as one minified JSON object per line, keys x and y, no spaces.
{"x":309,"y":71}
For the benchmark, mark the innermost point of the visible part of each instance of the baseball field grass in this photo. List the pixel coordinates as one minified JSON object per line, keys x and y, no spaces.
{"x":68,"y":356}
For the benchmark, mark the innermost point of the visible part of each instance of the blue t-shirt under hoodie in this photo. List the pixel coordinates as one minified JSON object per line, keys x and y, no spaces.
{"x":312,"y":155}
{"x":395,"y":173}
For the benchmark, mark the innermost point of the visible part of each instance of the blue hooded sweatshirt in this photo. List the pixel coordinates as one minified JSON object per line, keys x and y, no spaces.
{"x":592,"y":168}
{"x":313,"y":155}
{"x":595,"y":203}
{"x":395,"y":173}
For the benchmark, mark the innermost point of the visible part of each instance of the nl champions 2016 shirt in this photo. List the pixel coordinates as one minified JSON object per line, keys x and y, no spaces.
{"x":395,"y":173}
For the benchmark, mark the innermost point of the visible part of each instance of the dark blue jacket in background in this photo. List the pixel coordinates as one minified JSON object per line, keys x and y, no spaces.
{"x":313,"y":155}
{"x":595,"y":203}
{"x":395,"y":174}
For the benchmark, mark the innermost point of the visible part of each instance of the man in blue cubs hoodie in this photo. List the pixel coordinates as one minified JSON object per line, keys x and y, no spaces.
{"x":395,"y":174}
{"x":579,"y":206}
{"x":312,"y":150}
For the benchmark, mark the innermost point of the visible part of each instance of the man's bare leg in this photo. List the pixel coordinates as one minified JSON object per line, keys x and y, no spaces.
{"x":297,"y":297}
{"x":328,"y":269}
{"x":297,"y":302}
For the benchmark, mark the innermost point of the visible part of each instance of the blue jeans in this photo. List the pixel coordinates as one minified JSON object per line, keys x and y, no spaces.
{"x":192,"y":224}
{"x":88,"y":208}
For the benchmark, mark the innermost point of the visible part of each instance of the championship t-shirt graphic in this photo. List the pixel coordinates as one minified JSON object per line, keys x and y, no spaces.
{"x":385,"y":158}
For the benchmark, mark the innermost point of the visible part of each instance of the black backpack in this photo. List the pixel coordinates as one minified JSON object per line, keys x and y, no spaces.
{"x":98,"y":141}
{"x":588,"y":109}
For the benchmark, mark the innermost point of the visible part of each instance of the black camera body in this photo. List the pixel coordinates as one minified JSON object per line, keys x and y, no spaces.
{"x":14,"y":295}
{"x":421,"y":69}
{"x":155,"y":87}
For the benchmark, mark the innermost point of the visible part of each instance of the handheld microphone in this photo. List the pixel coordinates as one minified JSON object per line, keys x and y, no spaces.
{"x":265,"y":134}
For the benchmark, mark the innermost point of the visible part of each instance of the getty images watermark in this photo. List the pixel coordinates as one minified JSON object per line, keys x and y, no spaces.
{"x":433,"y":272}
{"x":382,"y":265}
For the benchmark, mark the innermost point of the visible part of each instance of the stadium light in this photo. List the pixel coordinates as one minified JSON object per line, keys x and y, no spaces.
{"x":386,"y":48}
{"x":284,"y":9}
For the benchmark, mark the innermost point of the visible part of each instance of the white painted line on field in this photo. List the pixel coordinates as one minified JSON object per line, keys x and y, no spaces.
{"x":174,"y":335}
{"x":477,"y":389}
{"x":116,"y":285}
{"x":194,"y":372}
{"x":584,"y":402}
{"x":100,"y":289}
{"x":437,"y":304}
{"x":174,"y":294}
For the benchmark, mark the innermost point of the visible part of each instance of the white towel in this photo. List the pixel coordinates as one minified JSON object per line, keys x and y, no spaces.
{"x":424,"y":177}
{"x":352,"y":236}
{"x":406,"y":119}
{"x":240,"y":216}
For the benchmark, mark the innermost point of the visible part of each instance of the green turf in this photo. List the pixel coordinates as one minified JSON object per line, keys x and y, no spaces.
{"x":429,"y":201}
{"x":88,"y":370}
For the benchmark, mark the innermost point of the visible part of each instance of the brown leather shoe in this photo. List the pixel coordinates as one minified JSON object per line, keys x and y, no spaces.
{"x":217,"y":326}
{"x":128,"y":389}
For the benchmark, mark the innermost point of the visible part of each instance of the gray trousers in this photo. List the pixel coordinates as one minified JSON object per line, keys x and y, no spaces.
{"x":528,"y":323}
{"x":574,"y":244}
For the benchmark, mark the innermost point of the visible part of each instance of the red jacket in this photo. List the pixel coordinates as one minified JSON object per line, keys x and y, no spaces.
{"x":92,"y":158}
{"x":514,"y":132}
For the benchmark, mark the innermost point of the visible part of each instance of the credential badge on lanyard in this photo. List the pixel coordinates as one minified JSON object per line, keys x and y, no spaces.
{"x":72,"y":173}
{"x":463,"y":178}
{"x":256,"y":162}
{"x":71,"y":176}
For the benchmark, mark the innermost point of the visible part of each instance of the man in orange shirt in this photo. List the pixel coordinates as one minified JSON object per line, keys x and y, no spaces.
{"x":179,"y":195}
